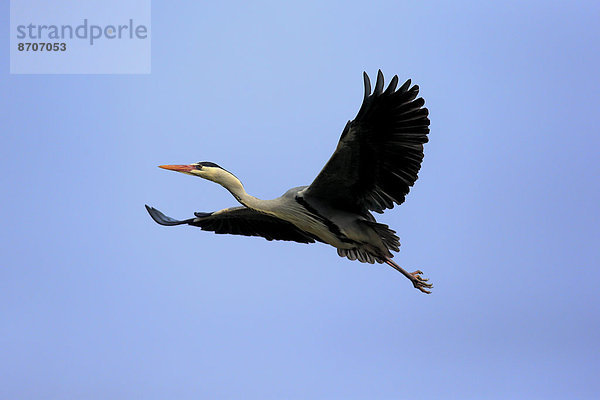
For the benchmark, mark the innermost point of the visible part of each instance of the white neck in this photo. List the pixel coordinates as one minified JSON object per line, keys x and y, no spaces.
{"x":235,"y":187}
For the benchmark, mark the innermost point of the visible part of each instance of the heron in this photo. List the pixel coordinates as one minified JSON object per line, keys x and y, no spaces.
{"x":373,"y":167}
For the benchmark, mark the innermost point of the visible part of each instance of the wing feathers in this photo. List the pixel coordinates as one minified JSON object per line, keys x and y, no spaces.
{"x":367,"y":82}
{"x":392,"y":85}
{"x":378,"y":84}
{"x":404,"y":87}
{"x":379,"y":153}
{"x":239,"y":221}
{"x":162,"y":219}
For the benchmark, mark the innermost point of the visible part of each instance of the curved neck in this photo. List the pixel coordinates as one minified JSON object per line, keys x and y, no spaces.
{"x":235,"y":187}
{"x":240,"y":194}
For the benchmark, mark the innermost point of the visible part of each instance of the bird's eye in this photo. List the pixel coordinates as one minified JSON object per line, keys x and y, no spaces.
{"x":198,"y":166}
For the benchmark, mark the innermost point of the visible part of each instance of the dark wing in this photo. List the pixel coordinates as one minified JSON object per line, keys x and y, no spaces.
{"x":239,"y":221}
{"x":379,"y":153}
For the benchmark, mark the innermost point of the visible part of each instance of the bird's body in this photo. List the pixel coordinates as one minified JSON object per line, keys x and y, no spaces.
{"x":341,"y":229}
{"x":375,"y":163}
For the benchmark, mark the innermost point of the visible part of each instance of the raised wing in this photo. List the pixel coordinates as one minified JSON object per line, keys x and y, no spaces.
{"x":239,"y":221}
{"x":379,"y":153}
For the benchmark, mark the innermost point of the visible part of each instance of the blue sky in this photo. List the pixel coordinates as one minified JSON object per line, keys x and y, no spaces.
{"x":97,"y":301}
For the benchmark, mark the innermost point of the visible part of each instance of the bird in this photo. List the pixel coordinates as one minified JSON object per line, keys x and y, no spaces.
{"x":373,"y":167}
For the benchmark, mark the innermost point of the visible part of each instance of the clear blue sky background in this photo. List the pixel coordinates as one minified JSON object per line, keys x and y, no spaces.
{"x":97,"y":301}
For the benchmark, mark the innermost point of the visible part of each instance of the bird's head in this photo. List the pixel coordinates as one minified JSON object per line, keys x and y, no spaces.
{"x":204,"y":169}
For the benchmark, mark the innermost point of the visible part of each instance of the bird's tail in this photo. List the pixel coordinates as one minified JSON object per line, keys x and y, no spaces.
{"x":370,"y":254}
{"x":387,"y":235}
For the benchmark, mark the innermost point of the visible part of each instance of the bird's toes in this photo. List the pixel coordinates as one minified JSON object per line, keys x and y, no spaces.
{"x":421,"y":284}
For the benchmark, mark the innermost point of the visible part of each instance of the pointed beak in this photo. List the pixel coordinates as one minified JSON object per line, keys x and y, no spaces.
{"x":178,"y":168}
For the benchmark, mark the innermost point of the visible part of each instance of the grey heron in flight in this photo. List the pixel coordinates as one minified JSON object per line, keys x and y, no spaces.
{"x":373,"y":167}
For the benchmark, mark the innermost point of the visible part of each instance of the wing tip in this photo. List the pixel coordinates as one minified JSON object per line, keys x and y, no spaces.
{"x":367,"y":82}
{"x":378,"y":83}
{"x":161,"y":218}
{"x":405,"y":86}
{"x":392,"y":86}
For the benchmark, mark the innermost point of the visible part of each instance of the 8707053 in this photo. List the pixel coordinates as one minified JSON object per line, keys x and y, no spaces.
{"x":42,"y":46}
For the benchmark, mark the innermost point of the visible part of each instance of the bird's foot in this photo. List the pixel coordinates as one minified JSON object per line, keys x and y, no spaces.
{"x":415,"y":277}
{"x":419,"y":282}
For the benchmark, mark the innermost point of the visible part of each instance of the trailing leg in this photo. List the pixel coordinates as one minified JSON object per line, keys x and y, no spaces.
{"x":415,"y":277}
